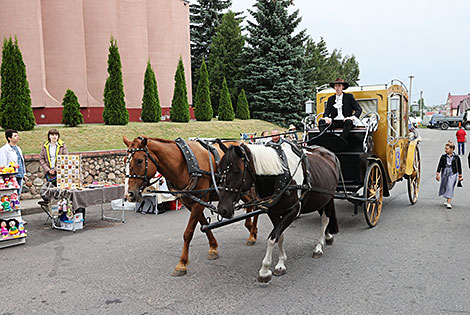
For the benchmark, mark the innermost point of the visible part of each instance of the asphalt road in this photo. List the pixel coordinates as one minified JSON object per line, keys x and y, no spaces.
{"x":415,"y":261}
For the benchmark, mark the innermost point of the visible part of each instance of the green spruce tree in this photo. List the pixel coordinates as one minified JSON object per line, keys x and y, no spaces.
{"x":225,"y":57}
{"x":243,"y":111}
{"x":71,"y":115}
{"x":273,"y":76}
{"x":15,"y":99}
{"x":205,"y":16}
{"x":151,"y":110}
{"x":115,"y":111}
{"x":315,"y":69}
{"x":225,"y":104}
{"x":179,"y":111}
{"x":202,"y":102}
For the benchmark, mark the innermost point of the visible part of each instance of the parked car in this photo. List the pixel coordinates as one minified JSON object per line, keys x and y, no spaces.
{"x":433,"y":121}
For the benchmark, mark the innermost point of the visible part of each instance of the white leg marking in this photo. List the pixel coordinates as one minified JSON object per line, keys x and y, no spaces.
{"x":264,"y":272}
{"x":281,"y":267}
{"x":318,"y":250}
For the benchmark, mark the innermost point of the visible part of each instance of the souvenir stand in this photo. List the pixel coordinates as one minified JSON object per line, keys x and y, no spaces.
{"x":70,"y":195}
{"x":12,"y":228}
{"x":69,"y":177}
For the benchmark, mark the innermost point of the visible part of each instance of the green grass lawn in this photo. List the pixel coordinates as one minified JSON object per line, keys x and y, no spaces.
{"x":101,"y":137}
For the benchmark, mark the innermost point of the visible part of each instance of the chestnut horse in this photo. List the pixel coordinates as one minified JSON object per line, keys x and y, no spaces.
{"x":247,"y":166}
{"x":150,"y":155}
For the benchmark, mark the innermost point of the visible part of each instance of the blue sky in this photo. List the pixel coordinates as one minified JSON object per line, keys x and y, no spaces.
{"x":396,"y":39}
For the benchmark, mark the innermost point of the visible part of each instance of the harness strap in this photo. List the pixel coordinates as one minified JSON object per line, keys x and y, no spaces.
{"x":285,"y":178}
{"x":191,"y":161}
{"x":210,"y":148}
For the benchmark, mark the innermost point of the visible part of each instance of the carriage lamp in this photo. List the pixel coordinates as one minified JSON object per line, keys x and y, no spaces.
{"x":394,"y":103}
{"x":309,"y":107}
{"x":415,"y":107}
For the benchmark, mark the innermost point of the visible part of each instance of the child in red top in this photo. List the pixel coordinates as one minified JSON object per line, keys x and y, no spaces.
{"x":461,"y":139}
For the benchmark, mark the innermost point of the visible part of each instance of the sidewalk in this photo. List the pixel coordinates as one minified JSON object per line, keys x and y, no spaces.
{"x":30,"y":206}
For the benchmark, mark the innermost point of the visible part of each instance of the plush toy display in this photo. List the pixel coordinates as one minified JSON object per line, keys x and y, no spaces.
{"x":6,"y":206}
{"x":13,"y":224}
{"x":4,"y":230}
{"x":22,"y":230}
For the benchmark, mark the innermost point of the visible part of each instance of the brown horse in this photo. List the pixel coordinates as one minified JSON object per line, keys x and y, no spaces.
{"x":150,"y":155}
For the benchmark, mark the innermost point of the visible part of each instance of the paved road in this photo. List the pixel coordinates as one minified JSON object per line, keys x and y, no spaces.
{"x":416,"y":261}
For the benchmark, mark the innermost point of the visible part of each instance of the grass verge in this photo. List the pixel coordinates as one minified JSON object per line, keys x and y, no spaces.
{"x":102,"y":137}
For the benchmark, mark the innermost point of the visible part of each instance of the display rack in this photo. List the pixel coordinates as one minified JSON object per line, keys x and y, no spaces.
{"x":14,"y":212}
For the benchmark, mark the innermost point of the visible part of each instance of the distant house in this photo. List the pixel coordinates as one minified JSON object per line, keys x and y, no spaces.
{"x":453,"y":102}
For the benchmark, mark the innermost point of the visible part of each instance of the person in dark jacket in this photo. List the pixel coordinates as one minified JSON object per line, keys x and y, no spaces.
{"x":448,"y":169}
{"x":342,"y":110}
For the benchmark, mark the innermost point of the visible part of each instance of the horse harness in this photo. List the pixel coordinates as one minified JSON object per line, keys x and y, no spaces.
{"x":194,"y":170}
{"x":282,"y":184}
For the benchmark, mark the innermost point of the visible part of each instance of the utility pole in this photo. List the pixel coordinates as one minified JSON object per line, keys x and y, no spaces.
{"x":409,"y":94}
{"x":421,"y":105}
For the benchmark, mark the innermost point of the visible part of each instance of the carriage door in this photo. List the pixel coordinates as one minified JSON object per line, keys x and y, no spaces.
{"x":394,"y":133}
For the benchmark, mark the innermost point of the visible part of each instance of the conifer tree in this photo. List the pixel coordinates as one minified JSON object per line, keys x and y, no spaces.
{"x":15,"y":99}
{"x":225,"y":57}
{"x":179,"y":111}
{"x":202,"y":102}
{"x":273,"y":77}
{"x":225,"y":104}
{"x":151,"y":110}
{"x":243,"y":111}
{"x":115,"y":111}
{"x":71,"y":115}
{"x":205,"y":16}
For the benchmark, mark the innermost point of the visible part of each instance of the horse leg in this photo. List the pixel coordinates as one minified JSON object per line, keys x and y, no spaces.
{"x":276,"y":235}
{"x":264,"y":274}
{"x":181,"y":267}
{"x":318,"y":250}
{"x":280,"y":268}
{"x":252,"y":227}
{"x":213,"y":254}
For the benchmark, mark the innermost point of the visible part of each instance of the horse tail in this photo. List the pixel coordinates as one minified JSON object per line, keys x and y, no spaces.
{"x":332,"y":227}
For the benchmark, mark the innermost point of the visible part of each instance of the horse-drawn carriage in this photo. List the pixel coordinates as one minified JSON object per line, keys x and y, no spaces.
{"x":376,"y":155}
{"x":284,"y":179}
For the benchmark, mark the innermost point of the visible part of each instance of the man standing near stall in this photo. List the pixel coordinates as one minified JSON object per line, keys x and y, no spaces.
{"x":11,"y":152}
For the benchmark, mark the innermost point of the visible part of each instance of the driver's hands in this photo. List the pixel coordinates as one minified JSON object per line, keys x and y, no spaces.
{"x":327,"y":120}
{"x":438,"y":176}
{"x":350,"y":118}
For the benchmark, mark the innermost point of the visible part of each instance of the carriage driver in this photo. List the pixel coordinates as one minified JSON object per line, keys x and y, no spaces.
{"x":339,"y":110}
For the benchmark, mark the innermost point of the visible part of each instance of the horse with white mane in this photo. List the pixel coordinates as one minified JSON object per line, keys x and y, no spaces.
{"x":247,"y":166}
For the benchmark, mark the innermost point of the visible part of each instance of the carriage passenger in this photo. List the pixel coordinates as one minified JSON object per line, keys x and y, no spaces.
{"x":342,"y":110}
{"x":263,"y":141}
{"x":447,"y":169}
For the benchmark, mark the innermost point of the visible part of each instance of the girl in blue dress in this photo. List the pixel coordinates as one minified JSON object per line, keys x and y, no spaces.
{"x":449,"y":170}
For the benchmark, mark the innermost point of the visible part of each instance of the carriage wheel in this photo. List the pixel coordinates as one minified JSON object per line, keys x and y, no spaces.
{"x":374,"y":192}
{"x":414,"y":178}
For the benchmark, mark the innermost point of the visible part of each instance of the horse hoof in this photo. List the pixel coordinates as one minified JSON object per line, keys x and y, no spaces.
{"x":264,"y":279}
{"x":178,"y":273}
{"x":279,"y":272}
{"x":330,"y":241}
{"x":317,"y":255}
{"x":250,"y":243}
{"x":212,"y":256}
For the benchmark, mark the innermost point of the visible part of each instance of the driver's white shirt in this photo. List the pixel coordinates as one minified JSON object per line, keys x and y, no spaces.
{"x":339,"y":107}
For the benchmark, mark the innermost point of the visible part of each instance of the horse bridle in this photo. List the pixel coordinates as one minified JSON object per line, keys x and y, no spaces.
{"x":246,"y":166}
{"x":146,"y":182}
